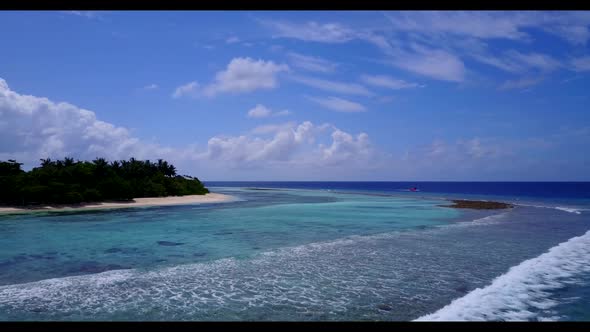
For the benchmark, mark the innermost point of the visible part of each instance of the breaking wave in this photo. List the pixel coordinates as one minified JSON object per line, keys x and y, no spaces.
{"x":524,"y":292}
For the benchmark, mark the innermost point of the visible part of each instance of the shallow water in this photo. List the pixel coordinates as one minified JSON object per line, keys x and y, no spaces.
{"x":292,"y":255}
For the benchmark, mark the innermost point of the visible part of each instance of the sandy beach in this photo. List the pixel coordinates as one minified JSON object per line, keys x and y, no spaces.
{"x":137,"y":202}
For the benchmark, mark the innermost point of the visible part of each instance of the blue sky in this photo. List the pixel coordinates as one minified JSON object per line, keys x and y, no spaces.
{"x":303,"y":95}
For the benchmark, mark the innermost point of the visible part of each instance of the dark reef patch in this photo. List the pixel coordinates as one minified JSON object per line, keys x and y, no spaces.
{"x":384,"y":307}
{"x":478,"y":205}
{"x":169,"y":243}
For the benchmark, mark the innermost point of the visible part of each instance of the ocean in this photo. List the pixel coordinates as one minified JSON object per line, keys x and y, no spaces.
{"x":308,"y":251}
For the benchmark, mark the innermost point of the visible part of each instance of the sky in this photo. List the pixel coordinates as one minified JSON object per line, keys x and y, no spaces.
{"x":342,"y":95}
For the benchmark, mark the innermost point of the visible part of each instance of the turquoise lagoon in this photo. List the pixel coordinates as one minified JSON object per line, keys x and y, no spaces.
{"x":285,"y":254}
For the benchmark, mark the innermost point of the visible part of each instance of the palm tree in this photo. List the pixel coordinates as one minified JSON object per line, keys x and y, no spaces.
{"x":171,"y":170}
{"x":68,"y":161}
{"x":116,"y":166}
{"x":101,"y":166}
{"x":161,"y":166}
{"x":100,"y":162}
{"x":45,"y":162}
{"x":167,"y":169}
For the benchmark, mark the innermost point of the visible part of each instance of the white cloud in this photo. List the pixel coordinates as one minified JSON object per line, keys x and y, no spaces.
{"x":152,"y":86}
{"x":83,"y":13}
{"x":282,"y":113}
{"x":261,"y":111}
{"x":520,"y":83}
{"x":276,"y":48}
{"x":574,"y":34}
{"x":188,"y":89}
{"x":434,"y":43}
{"x":502,"y":63}
{"x":311,"y":63}
{"x":293,"y":144}
{"x":388,"y":82}
{"x":245,"y":75}
{"x":332,"y":86}
{"x":581,"y":64}
{"x":461,"y":158}
{"x":34,"y":127}
{"x":437,"y":64}
{"x":516,"y":62}
{"x":311,"y":31}
{"x":475,"y":24}
{"x":273,"y":128}
{"x":536,"y":60}
{"x":346,"y":147}
{"x":339,"y":104}
{"x":232,"y":40}
{"x":571,"y":26}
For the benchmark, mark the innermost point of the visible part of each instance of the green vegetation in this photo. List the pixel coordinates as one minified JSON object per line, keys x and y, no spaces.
{"x":71,"y":182}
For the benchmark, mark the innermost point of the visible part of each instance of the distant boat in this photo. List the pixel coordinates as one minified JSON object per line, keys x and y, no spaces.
{"x":413,"y":189}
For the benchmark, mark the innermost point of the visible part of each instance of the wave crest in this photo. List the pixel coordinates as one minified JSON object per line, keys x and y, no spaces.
{"x":523,"y":293}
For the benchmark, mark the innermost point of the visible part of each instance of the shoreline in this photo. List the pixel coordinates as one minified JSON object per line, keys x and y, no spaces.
{"x":137,"y":202}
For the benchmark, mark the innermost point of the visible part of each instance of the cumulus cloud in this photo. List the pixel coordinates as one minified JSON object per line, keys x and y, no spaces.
{"x":188,"y":89}
{"x":273,"y":128}
{"x":245,"y":75}
{"x":293,"y":144}
{"x":339,"y":104}
{"x":35,"y":127}
{"x":346,"y":147}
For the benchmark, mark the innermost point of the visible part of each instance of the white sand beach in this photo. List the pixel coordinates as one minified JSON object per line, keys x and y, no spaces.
{"x":137,"y":202}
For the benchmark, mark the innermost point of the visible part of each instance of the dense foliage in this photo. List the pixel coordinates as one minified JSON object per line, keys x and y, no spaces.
{"x":69,"y":182}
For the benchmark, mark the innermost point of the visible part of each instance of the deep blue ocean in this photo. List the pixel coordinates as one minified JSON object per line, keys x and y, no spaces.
{"x":543,"y":190}
{"x":344,"y":251}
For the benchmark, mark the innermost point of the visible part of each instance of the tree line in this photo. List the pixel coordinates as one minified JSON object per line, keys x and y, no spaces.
{"x":69,"y":182}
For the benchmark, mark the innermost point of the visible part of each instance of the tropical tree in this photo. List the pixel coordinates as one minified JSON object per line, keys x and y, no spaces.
{"x":68,"y":182}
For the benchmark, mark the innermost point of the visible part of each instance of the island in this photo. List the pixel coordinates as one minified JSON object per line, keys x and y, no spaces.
{"x":479,"y":205}
{"x":67,"y":184}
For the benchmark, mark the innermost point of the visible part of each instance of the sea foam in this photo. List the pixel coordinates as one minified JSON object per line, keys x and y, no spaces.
{"x":561,"y":208}
{"x":524,"y":292}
